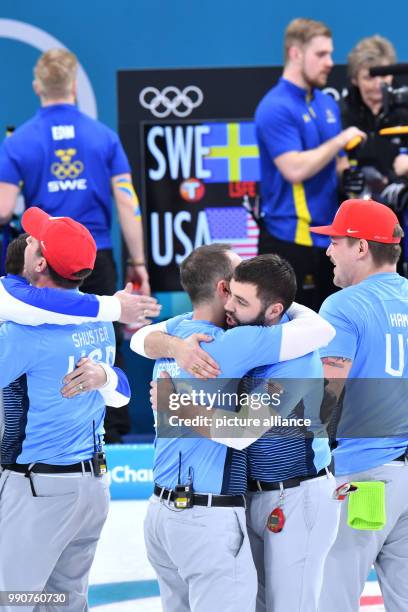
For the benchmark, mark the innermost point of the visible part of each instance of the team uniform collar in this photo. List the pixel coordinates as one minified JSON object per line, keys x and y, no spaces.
{"x":46,"y":110}
{"x":381,"y":276}
{"x":298,"y":91}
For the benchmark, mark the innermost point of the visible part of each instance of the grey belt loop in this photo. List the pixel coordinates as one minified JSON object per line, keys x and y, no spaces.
{"x":209,"y":502}
{"x":258,"y":484}
{"x":92,"y":468}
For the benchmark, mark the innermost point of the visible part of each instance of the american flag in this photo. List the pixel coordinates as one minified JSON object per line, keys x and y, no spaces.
{"x":233,"y":224}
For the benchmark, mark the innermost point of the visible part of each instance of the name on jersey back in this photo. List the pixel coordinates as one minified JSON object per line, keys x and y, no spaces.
{"x":90,"y":336}
{"x":399,"y":319}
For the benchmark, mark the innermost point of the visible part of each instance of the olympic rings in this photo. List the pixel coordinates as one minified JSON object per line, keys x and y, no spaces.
{"x":172,"y":100}
{"x":64,"y":170}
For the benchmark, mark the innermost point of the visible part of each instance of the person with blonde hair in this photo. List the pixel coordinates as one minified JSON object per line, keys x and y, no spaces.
{"x":71,"y":165}
{"x":55,"y":75}
{"x":300,"y":144}
{"x":368,"y":52}
{"x":381,"y":160}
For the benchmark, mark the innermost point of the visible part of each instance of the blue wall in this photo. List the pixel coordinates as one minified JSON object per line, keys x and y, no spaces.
{"x":107,"y":36}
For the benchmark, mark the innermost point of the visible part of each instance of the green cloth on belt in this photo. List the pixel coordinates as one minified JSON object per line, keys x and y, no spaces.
{"x":366,"y":506}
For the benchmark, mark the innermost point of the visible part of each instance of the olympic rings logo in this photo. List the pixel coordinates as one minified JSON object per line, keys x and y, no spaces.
{"x":66,"y":169}
{"x":171,"y":100}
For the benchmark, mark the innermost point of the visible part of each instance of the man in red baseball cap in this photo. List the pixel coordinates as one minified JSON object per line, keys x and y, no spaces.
{"x":53,"y":476}
{"x":370,"y":315}
{"x":59,"y":245}
{"x":365,"y":240}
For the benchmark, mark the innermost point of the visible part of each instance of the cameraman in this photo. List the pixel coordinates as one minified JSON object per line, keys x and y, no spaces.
{"x":379,"y":162}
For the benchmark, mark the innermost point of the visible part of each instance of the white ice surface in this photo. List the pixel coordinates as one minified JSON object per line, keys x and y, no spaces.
{"x":121,"y":557}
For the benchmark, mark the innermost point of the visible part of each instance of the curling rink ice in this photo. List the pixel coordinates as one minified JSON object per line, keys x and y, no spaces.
{"x":122,"y":580}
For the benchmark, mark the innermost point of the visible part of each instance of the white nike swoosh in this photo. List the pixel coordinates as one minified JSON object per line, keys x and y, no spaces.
{"x":350,"y":231}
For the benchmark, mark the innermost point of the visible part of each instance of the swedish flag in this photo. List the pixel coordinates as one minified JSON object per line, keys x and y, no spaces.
{"x":233,"y":153}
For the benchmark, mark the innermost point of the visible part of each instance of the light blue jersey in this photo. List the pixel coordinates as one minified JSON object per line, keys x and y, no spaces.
{"x":43,"y":426}
{"x":215,"y":467}
{"x":371,"y":322}
{"x":286,"y":452}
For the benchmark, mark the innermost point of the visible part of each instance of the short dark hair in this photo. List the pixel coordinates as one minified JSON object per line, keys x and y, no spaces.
{"x":381,"y":252}
{"x":273,"y":276}
{"x":203,"y":268}
{"x":15,"y":255}
{"x":66,"y":283}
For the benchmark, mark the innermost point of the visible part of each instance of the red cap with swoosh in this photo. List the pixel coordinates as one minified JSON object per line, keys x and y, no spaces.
{"x":67,"y":245}
{"x":362,"y":219}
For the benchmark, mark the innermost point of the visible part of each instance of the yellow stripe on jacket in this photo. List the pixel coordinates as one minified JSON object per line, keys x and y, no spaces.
{"x":302,"y":235}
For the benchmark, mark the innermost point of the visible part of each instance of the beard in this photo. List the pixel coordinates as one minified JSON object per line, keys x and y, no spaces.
{"x":318,"y":82}
{"x":260,"y":319}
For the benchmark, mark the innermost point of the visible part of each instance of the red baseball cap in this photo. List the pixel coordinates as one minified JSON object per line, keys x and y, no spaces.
{"x":362,"y":219}
{"x":66,"y":244}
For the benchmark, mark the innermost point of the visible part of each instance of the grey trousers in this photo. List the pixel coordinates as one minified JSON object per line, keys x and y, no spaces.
{"x":354,"y":552}
{"x":48,"y":543}
{"x":202,"y":558}
{"x":290,"y":563}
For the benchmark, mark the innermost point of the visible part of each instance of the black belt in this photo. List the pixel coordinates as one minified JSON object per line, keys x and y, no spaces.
{"x":45,"y":468}
{"x":259,"y":485}
{"x":220,"y":501}
{"x":402,"y":457}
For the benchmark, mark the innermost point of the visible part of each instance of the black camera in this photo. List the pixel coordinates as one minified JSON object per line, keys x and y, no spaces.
{"x":368,"y":182}
{"x":396,"y":196}
{"x":368,"y":179}
{"x":393,"y":98}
